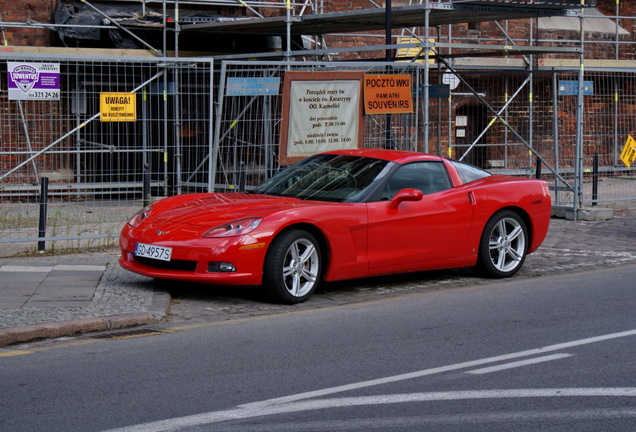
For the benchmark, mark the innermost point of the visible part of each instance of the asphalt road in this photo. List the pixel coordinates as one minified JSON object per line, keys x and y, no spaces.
{"x":555,"y":353}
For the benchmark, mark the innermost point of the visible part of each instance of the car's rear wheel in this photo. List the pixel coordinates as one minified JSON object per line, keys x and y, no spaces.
{"x":503,"y":246}
{"x":292,"y":267}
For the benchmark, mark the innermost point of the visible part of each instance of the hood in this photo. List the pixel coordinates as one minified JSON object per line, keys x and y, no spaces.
{"x":214,"y":209}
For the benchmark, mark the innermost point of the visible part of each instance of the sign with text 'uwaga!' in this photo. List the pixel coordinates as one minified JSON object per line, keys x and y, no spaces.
{"x":117,"y":107}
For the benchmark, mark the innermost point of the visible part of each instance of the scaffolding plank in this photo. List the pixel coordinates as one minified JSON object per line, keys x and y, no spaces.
{"x":401,"y":17}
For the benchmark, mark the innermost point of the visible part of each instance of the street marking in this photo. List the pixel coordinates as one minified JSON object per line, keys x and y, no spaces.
{"x":298,"y":402}
{"x":14,"y":353}
{"x":518,"y":364}
{"x":67,"y":267}
{"x":39,"y":349}
{"x":25,"y":269}
{"x":608,"y":257}
{"x":449,"y":368}
{"x":47,"y":269}
{"x":241,"y":412}
{"x":586,"y":253}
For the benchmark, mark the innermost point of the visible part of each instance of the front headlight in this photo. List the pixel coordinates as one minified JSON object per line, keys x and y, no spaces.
{"x":140,"y":216}
{"x":235,"y":228}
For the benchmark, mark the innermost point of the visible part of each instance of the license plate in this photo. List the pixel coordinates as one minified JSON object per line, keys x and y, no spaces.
{"x":152,"y":251}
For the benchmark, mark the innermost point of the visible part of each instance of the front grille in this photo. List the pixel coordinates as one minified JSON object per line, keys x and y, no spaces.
{"x":169,"y":265}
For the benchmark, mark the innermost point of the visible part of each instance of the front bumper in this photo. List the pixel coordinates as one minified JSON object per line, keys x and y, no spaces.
{"x":194,"y":260}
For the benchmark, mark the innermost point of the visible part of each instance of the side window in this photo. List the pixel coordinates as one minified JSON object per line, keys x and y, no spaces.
{"x":429,"y":177}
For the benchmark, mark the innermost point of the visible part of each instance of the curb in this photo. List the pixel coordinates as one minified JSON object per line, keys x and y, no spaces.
{"x":158,"y":310}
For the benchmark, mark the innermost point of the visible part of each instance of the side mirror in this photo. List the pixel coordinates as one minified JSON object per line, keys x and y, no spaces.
{"x":405,"y":195}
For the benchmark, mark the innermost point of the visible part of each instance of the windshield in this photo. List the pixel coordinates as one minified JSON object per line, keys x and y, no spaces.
{"x":325,"y":177}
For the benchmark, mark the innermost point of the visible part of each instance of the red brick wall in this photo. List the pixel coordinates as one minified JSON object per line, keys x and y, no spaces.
{"x":23,"y":11}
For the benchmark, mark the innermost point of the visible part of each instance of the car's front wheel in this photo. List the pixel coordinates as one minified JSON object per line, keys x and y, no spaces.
{"x":292,"y":267}
{"x":503,"y":246}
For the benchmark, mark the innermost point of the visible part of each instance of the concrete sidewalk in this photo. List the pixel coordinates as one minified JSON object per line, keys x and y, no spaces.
{"x":44,"y":297}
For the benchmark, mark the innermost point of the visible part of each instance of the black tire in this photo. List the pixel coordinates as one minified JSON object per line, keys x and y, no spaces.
{"x":503,"y":246}
{"x":293,"y":266}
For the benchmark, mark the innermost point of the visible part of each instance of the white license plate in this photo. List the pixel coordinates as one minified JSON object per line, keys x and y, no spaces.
{"x":152,"y":251}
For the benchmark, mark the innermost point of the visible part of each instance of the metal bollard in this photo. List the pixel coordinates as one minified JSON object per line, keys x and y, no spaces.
{"x":595,"y":180}
{"x":44,"y":193}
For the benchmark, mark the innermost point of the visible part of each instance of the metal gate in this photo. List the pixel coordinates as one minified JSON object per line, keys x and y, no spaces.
{"x":98,"y":172}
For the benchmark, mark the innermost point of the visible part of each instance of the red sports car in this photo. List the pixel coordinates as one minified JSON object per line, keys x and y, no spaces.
{"x":342,"y":215}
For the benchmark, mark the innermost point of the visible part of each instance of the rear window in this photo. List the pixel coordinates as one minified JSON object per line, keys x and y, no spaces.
{"x":469,"y":173}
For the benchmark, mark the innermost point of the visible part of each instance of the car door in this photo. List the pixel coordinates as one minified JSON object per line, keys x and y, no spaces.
{"x":432,"y":229}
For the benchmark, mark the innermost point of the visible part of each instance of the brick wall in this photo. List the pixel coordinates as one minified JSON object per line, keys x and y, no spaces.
{"x":23,"y":11}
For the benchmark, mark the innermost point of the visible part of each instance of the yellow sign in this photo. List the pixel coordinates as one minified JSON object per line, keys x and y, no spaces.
{"x":118,"y":107}
{"x":412,"y":52}
{"x":628,"y":155}
{"x":387,"y":94}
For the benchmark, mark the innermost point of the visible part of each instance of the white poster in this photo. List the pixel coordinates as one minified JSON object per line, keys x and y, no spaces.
{"x":323,"y":115}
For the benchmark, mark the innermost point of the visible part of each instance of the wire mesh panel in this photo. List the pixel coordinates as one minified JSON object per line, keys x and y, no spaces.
{"x":485,"y":121}
{"x":608,"y":121}
{"x":98,"y":171}
{"x":248,"y":126}
{"x":518,"y":122}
